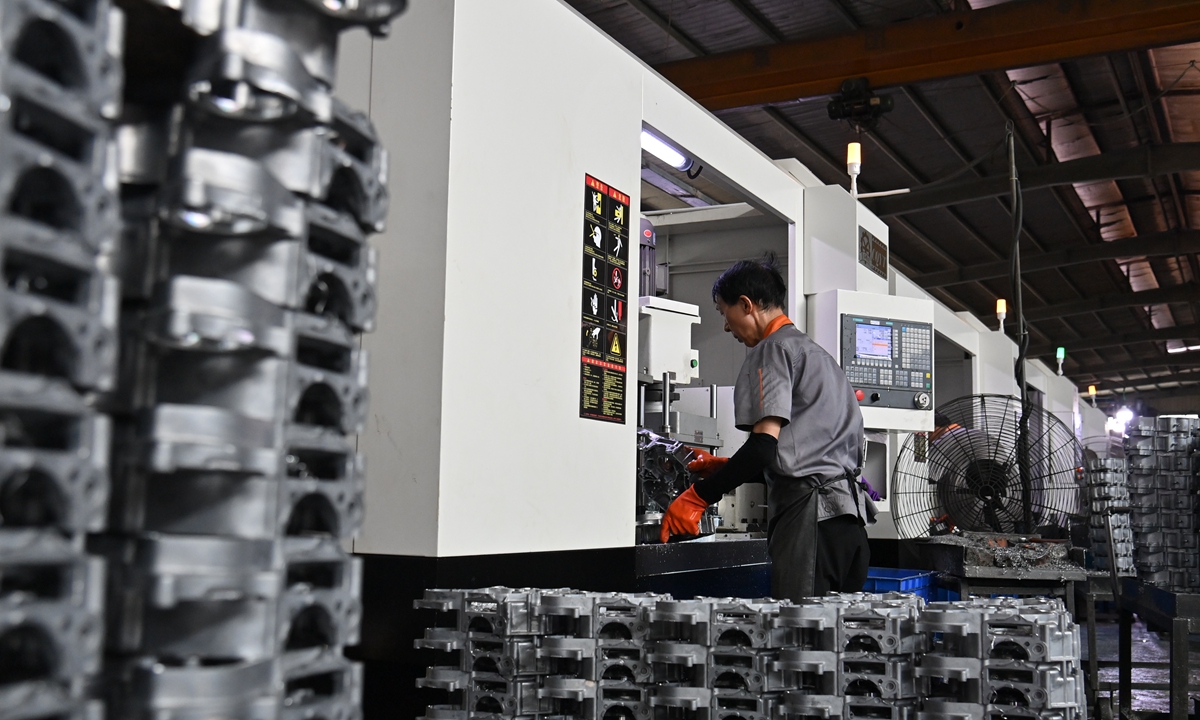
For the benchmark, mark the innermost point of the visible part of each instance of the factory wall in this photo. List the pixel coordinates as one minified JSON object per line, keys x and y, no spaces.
{"x":475,"y":364}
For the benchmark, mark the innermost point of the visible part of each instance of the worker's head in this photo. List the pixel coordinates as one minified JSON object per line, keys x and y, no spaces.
{"x":749,"y":295}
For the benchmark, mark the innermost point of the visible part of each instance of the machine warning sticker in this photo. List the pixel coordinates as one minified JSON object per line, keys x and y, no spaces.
{"x":605,"y":313}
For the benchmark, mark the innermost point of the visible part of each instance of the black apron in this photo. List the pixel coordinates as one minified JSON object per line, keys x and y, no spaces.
{"x":792,"y":532}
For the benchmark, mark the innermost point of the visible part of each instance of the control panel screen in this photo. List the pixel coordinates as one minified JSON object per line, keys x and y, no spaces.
{"x":888,"y":361}
{"x":873,"y":341}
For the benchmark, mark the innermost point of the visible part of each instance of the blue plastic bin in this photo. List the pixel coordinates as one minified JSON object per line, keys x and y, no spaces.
{"x":881,"y":580}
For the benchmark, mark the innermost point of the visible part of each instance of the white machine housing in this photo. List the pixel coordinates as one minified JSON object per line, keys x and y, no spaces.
{"x":834,"y":227}
{"x":665,"y":339}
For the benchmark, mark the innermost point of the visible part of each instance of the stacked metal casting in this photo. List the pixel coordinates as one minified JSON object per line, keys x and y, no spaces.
{"x":60,"y":89}
{"x":1001,"y":658}
{"x":1108,"y":490}
{"x":590,"y":656}
{"x":247,"y":192}
{"x":1162,"y":499}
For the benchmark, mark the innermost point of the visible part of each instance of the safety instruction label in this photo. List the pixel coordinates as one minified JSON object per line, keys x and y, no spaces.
{"x":605,"y":310}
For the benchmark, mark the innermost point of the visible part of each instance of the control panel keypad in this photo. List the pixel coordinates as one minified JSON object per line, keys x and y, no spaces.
{"x":888,"y":361}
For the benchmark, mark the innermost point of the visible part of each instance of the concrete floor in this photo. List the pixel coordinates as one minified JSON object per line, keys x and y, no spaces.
{"x":1148,"y":646}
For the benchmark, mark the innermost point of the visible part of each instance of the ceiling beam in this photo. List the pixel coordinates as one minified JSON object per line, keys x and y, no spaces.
{"x":1163,"y":244}
{"x":1188,"y":292}
{"x":1175,"y":332}
{"x":756,"y":19}
{"x":1146,"y":161}
{"x":668,"y":27}
{"x":966,"y":42}
{"x":1173,"y":363}
{"x":1115,"y":386}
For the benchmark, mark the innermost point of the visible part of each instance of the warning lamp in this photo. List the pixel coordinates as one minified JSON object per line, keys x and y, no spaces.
{"x":1092,"y":394}
{"x":854,"y":165}
{"x":1001,"y":311}
{"x":1060,"y":354}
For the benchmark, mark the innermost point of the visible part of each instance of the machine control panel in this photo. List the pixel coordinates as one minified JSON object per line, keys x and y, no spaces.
{"x":889,"y":362}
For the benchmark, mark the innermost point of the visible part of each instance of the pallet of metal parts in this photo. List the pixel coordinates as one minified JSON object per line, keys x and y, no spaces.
{"x":55,"y":181}
{"x":321,"y":382}
{"x":340,"y":165}
{"x":951,"y":677}
{"x":63,"y":56}
{"x":54,"y":469}
{"x":507,"y":657}
{"x":804,"y":705}
{"x":747,"y":669}
{"x":499,"y":612}
{"x":624,"y":616}
{"x":192,"y":596}
{"x":45,"y":702}
{"x":881,"y":626}
{"x":948,"y":709}
{"x":569,"y":657}
{"x":623,"y":700}
{"x":330,"y":687}
{"x":58,"y":317}
{"x":812,"y":671}
{"x":621,"y":661}
{"x":811,"y":624}
{"x":51,"y":619}
{"x":731,"y":705}
{"x":679,"y":664}
{"x":1038,"y":686}
{"x":683,"y":621}
{"x":1177,"y":424}
{"x":953,"y":629}
{"x":494,"y":694}
{"x":147,"y":688}
{"x":323,"y":484}
{"x":567,"y":613}
{"x":865,"y":706}
{"x":892,"y":677}
{"x":328,"y":269}
{"x":746,"y":623}
{"x":569,"y":696}
{"x":687,"y":702}
{"x":320,"y":608}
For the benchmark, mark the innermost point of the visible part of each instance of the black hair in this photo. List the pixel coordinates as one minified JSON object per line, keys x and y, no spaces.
{"x":759,"y":280}
{"x":940,"y":420}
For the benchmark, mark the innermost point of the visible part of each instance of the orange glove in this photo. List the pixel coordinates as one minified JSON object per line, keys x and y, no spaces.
{"x":683,"y":517}
{"x":704,"y":463}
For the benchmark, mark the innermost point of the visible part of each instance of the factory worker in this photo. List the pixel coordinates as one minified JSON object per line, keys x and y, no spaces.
{"x":806,"y":438}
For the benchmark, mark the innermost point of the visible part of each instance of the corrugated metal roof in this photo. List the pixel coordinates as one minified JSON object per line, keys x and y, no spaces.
{"x":1089,"y":106}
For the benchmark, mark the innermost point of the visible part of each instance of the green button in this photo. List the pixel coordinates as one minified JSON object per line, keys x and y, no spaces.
{"x":695,"y":363}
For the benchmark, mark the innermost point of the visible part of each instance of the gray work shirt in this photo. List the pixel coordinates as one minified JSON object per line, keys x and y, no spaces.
{"x":788,"y":375}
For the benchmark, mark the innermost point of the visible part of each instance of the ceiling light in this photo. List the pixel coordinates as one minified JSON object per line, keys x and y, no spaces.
{"x":661,"y":150}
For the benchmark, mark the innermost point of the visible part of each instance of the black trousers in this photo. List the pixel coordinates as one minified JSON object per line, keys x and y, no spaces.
{"x":810,"y":558}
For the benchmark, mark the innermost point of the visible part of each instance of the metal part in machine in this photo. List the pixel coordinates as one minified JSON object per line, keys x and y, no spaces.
{"x":662,"y":476}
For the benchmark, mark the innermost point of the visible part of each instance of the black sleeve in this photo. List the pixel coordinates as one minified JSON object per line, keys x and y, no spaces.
{"x":745,"y":466}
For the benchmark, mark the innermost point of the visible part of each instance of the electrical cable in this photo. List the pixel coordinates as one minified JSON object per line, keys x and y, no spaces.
{"x":1022,"y":335}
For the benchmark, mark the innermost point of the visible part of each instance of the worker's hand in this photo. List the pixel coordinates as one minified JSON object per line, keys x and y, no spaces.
{"x":871,"y":492}
{"x":704,"y":463}
{"x":683,"y":517}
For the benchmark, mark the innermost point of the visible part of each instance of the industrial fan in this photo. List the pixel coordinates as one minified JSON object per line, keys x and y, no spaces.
{"x":969,"y":473}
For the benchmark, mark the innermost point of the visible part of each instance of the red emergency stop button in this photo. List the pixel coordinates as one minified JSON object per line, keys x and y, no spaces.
{"x":859,"y":394}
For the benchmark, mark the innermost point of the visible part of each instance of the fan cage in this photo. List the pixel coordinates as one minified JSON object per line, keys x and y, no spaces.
{"x":966,"y":473}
